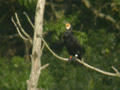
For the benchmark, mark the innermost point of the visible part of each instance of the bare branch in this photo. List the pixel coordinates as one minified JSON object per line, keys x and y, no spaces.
{"x":24,"y":38}
{"x":43,"y":67}
{"x":65,"y":59}
{"x":42,"y":48}
{"x":117,"y":74}
{"x":98,"y":70}
{"x":115,"y":70}
{"x":28,"y":18}
{"x":19,"y":24}
{"x":101,"y":15}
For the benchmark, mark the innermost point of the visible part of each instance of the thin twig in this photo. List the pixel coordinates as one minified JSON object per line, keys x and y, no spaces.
{"x":115,"y":70}
{"x":24,"y":38}
{"x":101,"y":15}
{"x":43,"y":67}
{"x":19,"y":24}
{"x":98,"y":70}
{"x":83,"y":63}
{"x":42,"y":48}
{"x":65,"y":59}
{"x":28,"y":18}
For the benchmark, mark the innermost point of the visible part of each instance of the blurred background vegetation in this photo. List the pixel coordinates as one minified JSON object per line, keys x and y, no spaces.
{"x":100,"y":37}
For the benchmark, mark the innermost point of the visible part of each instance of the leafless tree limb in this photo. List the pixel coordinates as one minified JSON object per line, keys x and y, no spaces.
{"x":101,"y":15}
{"x":43,"y":67}
{"x":117,"y":74}
{"x":29,"y":20}
{"x":42,"y":48}
{"x":98,"y":70}
{"x":61,"y":58}
{"x":115,"y":70}
{"x":21,"y":28}
{"x":18,"y":30}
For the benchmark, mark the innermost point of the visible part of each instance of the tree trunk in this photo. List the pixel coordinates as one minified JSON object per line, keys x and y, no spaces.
{"x":36,"y":51}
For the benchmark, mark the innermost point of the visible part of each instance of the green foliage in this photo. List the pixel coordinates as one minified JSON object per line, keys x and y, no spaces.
{"x":55,"y":28}
{"x":14,"y":73}
{"x":101,"y":47}
{"x":29,"y":4}
{"x":82,"y":36}
{"x":117,"y":2}
{"x":98,"y":36}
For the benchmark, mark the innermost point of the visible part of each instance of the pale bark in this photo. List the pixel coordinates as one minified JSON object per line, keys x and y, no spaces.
{"x":36,"y":51}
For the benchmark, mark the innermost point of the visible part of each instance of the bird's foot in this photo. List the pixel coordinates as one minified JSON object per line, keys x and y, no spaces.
{"x":71,"y":58}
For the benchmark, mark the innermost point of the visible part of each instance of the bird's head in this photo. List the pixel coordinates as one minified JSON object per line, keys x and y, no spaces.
{"x":67,"y":25}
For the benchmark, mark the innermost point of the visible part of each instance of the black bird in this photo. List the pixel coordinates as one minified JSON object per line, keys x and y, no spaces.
{"x":71,"y":42}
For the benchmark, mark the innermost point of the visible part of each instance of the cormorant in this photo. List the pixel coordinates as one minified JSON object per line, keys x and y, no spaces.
{"x":71,"y":42}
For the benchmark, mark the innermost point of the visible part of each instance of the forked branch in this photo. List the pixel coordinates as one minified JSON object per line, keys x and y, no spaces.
{"x":101,"y":15}
{"x":61,"y":58}
{"x":20,"y":29}
{"x":29,"y":20}
{"x":116,"y":74}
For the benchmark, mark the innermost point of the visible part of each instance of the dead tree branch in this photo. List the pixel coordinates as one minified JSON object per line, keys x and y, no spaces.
{"x":115,"y":70}
{"x":101,"y":15}
{"x":116,"y":74}
{"x":18,"y":30}
{"x":21,"y":28}
{"x":61,"y":58}
{"x":29,"y":20}
{"x":97,"y":69}
{"x":44,"y":66}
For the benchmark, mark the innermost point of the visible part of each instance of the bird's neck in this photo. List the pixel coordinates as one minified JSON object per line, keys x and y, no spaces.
{"x":68,"y":33}
{"x":69,"y":30}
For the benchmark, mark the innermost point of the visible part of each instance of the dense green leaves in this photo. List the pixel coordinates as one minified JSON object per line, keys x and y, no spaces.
{"x":99,"y":36}
{"x":29,"y":4}
{"x":14,"y":73}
